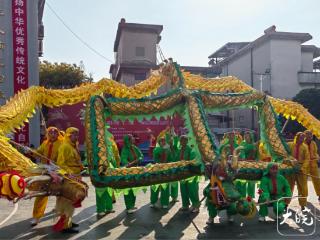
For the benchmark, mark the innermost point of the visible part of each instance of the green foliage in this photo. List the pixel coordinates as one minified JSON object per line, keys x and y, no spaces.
{"x":61,"y":75}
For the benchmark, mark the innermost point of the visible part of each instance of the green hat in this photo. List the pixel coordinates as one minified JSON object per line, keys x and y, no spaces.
{"x":269,"y":166}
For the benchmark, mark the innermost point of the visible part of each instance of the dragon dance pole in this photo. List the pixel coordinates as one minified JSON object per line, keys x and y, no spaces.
{"x":285,"y":125}
{"x":273,"y":201}
{"x":49,"y":161}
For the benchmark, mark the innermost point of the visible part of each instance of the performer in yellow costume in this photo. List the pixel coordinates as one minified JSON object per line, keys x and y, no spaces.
{"x":300,"y":151}
{"x":115,"y":151}
{"x":313,"y":164}
{"x":69,"y":156}
{"x":49,"y":149}
{"x":70,"y":161}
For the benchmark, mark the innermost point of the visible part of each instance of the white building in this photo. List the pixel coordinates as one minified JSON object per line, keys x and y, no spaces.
{"x":276,"y":63}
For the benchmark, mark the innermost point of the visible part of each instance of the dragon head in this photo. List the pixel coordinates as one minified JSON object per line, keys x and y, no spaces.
{"x":12,"y":185}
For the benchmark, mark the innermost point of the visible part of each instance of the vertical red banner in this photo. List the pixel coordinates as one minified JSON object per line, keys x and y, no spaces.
{"x":20,"y":57}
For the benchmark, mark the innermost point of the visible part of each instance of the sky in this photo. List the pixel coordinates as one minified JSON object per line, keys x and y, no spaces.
{"x":192,"y":29}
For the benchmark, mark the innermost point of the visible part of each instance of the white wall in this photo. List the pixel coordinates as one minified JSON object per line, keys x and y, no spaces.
{"x":131,"y":40}
{"x":261,"y":62}
{"x":284,"y":58}
{"x":241,"y":68}
{"x":261,"y":57}
{"x":306,"y":61}
{"x":285,"y":63}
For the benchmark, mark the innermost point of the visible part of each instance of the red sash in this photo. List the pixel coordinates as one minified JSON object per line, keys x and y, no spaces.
{"x":163,"y":157}
{"x":274,"y":185}
{"x":182,"y":154}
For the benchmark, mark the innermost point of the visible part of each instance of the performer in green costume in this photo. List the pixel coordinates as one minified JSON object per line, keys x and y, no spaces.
{"x":228,"y":145}
{"x":221,"y":194}
{"x":103,"y":201}
{"x":161,"y":154}
{"x":104,"y":195}
{"x":248,"y":151}
{"x":212,"y":208}
{"x":130,"y":156}
{"x":174,"y":186}
{"x":189,"y":187}
{"x":273,"y":187}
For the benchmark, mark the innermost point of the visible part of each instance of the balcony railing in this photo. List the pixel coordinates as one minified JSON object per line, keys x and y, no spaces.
{"x":309,"y":77}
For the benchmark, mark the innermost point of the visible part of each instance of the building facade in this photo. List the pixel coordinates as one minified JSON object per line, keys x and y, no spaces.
{"x":277,"y":63}
{"x":20,"y":42}
{"x":135,"y":51}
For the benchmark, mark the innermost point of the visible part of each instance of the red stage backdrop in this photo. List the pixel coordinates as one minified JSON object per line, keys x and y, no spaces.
{"x":67,"y":116}
{"x":142,"y":130}
{"x":20,"y":57}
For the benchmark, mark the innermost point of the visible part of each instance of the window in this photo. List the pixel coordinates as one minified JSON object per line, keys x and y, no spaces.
{"x":140,"y":76}
{"x":140,"y":51}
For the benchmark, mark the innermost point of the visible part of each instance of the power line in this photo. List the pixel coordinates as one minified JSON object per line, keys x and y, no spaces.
{"x":161,"y":53}
{"x":76,"y":35}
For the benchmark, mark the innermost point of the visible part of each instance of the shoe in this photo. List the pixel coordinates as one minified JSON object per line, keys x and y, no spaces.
{"x":303,"y":208}
{"x":74,"y":225}
{"x":262,"y":219}
{"x":230,"y":219}
{"x":152,"y":205}
{"x":165,"y":207}
{"x":34,"y":222}
{"x":101,"y":214}
{"x":184,"y":209}
{"x":70,"y":230}
{"x":210,"y":221}
{"x":131,"y":210}
{"x":109,"y":211}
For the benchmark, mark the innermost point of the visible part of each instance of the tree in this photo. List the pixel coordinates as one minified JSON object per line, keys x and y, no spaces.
{"x":61,"y":75}
{"x":309,"y":99}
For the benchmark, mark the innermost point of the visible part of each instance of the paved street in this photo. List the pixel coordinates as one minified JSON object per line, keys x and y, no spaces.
{"x":145,"y":223}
